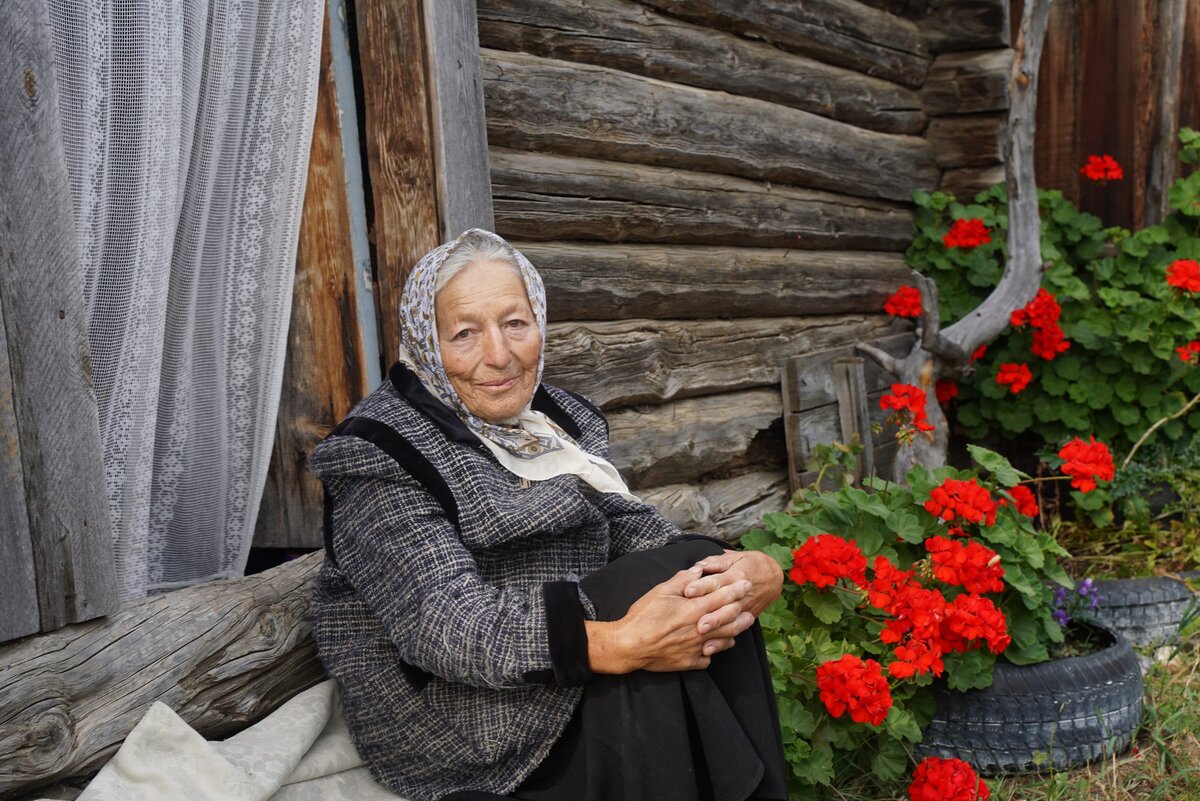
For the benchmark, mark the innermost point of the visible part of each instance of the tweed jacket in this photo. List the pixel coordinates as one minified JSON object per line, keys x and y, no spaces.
{"x":448,"y":608}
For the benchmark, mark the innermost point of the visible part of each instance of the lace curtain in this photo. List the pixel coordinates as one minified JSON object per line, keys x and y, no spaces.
{"x":187,"y":127}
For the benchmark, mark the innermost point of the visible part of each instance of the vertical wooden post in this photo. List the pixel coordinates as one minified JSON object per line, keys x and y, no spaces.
{"x":1164,"y":144}
{"x":50,"y":423}
{"x":850,"y":383}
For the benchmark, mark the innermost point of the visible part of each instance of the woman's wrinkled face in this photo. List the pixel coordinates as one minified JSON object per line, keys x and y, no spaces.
{"x":489,"y":339}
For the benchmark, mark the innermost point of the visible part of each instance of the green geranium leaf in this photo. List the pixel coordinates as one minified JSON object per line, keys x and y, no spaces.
{"x":906,"y":525}
{"x":969,"y":671}
{"x":890,"y":761}
{"x":824,"y":604}
{"x":997,"y":465}
{"x":795,"y":717}
{"x":817,"y":768}
{"x":780,"y":553}
{"x":900,"y":724}
{"x":756,"y":539}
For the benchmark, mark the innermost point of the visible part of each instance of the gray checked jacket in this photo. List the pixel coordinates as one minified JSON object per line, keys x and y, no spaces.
{"x":448,"y":607}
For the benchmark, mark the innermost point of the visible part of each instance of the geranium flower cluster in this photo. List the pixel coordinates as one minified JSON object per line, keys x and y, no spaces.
{"x":1184,"y":274}
{"x":945,"y":390}
{"x":1026,"y":501}
{"x":1014,"y":375}
{"x":972,"y":566}
{"x":966,"y":234}
{"x":938,"y":779}
{"x":1042,"y":315}
{"x":1190,"y":352}
{"x":850,"y":684}
{"x":1087,"y":462}
{"x":904,"y":302}
{"x":908,"y":403}
{"x":824,"y":559}
{"x":957,"y":499}
{"x":1102,"y":168}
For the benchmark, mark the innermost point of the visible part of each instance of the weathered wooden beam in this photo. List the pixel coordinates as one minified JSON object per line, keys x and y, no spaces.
{"x":679,"y":442}
{"x":842,"y":32}
{"x":51,"y":424}
{"x":969,"y":140}
{"x":646,"y":361}
{"x":810,"y":377}
{"x":325,"y":370}
{"x":1057,"y":141}
{"x":726,"y":508}
{"x":400,"y":151}
{"x":966,"y":25}
{"x":613,"y":282}
{"x":1169,"y":30}
{"x":222,"y":655}
{"x":542,"y":197}
{"x":543,"y":104}
{"x":628,"y":36}
{"x":18,"y":581}
{"x":967,"y":182}
{"x":456,"y":106}
{"x":854,"y":418}
{"x":968,"y":82}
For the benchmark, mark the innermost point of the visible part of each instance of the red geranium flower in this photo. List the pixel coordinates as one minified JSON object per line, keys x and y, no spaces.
{"x":1184,"y":274}
{"x":978,"y":354}
{"x":955,"y":499}
{"x":824,"y":559}
{"x":1042,"y":315}
{"x":1102,"y":168}
{"x":974,"y":567}
{"x":1013,"y":375}
{"x":850,"y":684}
{"x":945,"y":390}
{"x":904,"y":302}
{"x":966,"y":234}
{"x":916,"y":656}
{"x":938,"y":779}
{"x":1049,"y":341}
{"x":907,"y":398}
{"x":1086,"y":462}
{"x":970,"y":620}
{"x":1190,"y":352}
{"x":1026,"y":501}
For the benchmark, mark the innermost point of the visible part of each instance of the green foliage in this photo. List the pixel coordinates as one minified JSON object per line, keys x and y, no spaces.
{"x":808,"y":626}
{"x":1121,"y":373}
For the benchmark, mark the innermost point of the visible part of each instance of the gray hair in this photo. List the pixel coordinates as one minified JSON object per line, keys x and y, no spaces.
{"x":474,"y":246}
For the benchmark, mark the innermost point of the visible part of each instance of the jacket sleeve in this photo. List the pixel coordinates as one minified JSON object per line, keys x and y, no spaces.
{"x":394,"y":543}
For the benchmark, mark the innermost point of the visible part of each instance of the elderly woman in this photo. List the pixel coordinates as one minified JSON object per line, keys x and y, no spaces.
{"x":503,"y":617}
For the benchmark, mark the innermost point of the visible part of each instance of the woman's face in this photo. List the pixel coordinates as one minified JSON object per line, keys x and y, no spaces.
{"x":489,"y":339}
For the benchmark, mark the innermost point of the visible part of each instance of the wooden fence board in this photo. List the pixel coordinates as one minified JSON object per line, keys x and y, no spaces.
{"x":540,"y":196}
{"x":582,"y":110}
{"x":630,"y":37}
{"x":41,"y":291}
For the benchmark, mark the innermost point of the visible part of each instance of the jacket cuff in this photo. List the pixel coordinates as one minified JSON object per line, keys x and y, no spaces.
{"x":566,"y":633}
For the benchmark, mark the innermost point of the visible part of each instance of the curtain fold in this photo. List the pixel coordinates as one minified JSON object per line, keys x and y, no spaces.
{"x":187,"y":126}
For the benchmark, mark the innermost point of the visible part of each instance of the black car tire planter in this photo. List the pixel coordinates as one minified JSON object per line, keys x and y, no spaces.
{"x":1061,"y":714}
{"x":1146,"y":611}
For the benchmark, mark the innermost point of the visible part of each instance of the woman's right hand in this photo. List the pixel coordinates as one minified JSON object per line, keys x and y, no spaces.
{"x":660,"y":632}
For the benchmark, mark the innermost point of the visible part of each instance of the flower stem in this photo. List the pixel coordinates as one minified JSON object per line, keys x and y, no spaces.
{"x":1156,"y":425}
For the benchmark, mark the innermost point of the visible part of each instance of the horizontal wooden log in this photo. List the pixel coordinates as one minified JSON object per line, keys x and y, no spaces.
{"x":909,"y":9}
{"x":968,"y":82}
{"x":726,"y":508}
{"x":843,"y":32}
{"x":617,"y":282}
{"x":679,"y":442}
{"x":542,"y":197}
{"x":967,"y":182}
{"x":974,"y":140}
{"x":222,"y":655}
{"x":966,"y":25}
{"x":556,"y":106}
{"x":646,"y":361}
{"x":627,"y":36}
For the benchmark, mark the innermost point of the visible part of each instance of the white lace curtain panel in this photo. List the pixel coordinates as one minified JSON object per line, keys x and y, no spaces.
{"x":187,"y":126}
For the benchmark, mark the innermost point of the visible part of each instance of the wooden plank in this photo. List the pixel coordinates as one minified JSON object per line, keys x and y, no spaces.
{"x":221,"y":654}
{"x":646,"y":361}
{"x":456,"y":106}
{"x":966,"y":25}
{"x":1056,"y":148}
{"x":1169,"y":31}
{"x":1189,"y":101}
{"x":969,"y":140}
{"x":41,"y":296}
{"x":682,"y":441}
{"x":400,"y":151}
{"x":18,"y":584}
{"x":611,"y":282}
{"x":885,"y":457}
{"x":726,"y":508}
{"x":854,"y":419}
{"x":966,"y":182}
{"x":583,"y":110}
{"x":544,"y":197}
{"x":810,"y":378}
{"x":842,"y":32}
{"x":630,"y":37}
{"x":822,"y":425}
{"x":324,"y":371}
{"x":968,"y":82}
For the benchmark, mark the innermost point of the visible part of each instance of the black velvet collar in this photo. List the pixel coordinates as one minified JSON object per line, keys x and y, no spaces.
{"x":412,"y":390}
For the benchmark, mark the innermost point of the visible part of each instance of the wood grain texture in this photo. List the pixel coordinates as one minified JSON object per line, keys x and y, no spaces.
{"x":614,"y":282}
{"x":682,"y":441}
{"x":555,"y":106}
{"x":1169,"y":34}
{"x":324,"y":372}
{"x":222,"y":655}
{"x":41,"y":295}
{"x":456,"y":106}
{"x":540,"y":196}
{"x":968,"y":140}
{"x":842,"y":32}
{"x":725,"y":508}
{"x":968,"y":82}
{"x":1056,"y":145}
{"x":628,"y":36}
{"x":403,"y":207}
{"x":967,"y":182}
{"x":645,"y":361}
{"x":966,"y":25}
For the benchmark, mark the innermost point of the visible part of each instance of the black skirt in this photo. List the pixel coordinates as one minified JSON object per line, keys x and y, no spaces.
{"x":697,"y":735}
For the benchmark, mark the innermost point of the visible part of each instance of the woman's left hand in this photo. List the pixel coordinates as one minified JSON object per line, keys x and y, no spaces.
{"x":763,"y":572}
